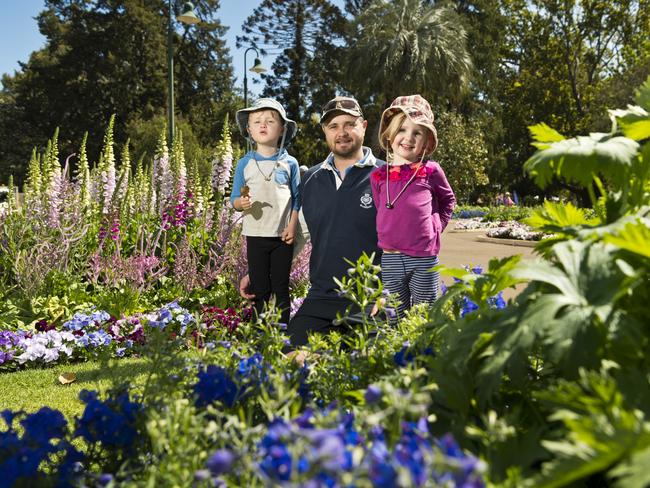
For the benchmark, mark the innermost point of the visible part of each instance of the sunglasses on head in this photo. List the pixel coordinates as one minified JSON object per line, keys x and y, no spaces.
{"x":343,"y":104}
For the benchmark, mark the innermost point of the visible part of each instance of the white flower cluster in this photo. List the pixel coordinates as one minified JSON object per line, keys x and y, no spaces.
{"x":46,"y":346}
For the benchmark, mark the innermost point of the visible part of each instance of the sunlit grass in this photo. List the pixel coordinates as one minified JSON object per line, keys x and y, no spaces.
{"x":31,"y":389}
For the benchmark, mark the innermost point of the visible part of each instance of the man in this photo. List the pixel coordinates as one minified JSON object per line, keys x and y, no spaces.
{"x":339,"y":216}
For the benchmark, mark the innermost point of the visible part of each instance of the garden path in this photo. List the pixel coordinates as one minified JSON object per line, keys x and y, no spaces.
{"x":465,"y":248}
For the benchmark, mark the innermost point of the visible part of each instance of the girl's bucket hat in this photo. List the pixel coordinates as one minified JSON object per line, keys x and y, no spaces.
{"x":417,"y":109}
{"x":290,"y":127}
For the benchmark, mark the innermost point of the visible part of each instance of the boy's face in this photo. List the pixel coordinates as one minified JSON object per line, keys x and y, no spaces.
{"x":265,"y":127}
{"x":344,"y":134}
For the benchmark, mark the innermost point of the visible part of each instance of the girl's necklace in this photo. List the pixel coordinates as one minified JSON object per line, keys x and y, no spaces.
{"x":266,"y":177}
{"x":390,"y":205}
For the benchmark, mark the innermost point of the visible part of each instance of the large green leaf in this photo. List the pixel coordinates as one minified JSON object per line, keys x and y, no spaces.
{"x":581,"y":158}
{"x":543,"y":135}
{"x":558,"y":217}
{"x":642,"y":97}
{"x":633,"y":121}
{"x":600,"y":430}
{"x":634,"y":473}
{"x":634,"y":237}
{"x":576,"y":298}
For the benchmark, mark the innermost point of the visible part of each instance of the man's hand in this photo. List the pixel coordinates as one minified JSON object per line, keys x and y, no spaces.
{"x":299,"y":357}
{"x":380,"y":305}
{"x":244,"y":288}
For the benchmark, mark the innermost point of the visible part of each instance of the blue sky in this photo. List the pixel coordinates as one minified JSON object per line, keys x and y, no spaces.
{"x":19,"y":34}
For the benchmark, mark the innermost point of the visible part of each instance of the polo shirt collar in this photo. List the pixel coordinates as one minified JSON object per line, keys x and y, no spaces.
{"x":368,"y":159}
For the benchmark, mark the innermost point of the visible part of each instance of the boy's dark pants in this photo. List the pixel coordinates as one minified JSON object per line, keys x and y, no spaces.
{"x":269,"y":264}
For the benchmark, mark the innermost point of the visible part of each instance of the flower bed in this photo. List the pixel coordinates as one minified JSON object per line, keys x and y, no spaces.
{"x":514,"y":230}
{"x":89,"y":335}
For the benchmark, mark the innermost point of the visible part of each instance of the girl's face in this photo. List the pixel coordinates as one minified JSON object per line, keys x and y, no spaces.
{"x":409,"y":142}
{"x":265,"y":127}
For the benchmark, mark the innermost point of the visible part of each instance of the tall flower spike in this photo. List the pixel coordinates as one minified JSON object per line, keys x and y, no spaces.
{"x":12,"y":196}
{"x":195,"y":187}
{"x":52,"y":180}
{"x":32,"y":188}
{"x":138,"y":187}
{"x":83,"y":175}
{"x":125,"y":170}
{"x":107,"y":169}
{"x":178,"y":167}
{"x":152,"y":197}
{"x":222,"y":163}
{"x":164,"y":182}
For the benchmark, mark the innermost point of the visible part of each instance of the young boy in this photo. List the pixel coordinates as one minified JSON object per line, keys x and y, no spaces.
{"x":265,"y":188}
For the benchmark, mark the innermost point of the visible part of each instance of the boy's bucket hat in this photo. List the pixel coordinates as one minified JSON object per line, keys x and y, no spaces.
{"x":417,"y":109}
{"x":266,"y":104}
{"x":346,"y":105}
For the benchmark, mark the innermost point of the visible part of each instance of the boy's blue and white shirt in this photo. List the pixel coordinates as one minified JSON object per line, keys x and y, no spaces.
{"x":273,"y":185}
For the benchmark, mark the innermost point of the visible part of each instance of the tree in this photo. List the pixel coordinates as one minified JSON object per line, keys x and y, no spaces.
{"x":408,"y":46}
{"x":109,"y":57}
{"x":562,"y":58}
{"x":304,"y":35}
{"x":462,"y":153}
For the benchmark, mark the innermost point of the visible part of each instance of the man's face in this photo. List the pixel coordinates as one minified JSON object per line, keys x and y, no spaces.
{"x":344,"y":134}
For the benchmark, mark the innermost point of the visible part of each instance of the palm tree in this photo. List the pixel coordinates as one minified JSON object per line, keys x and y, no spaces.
{"x":402,"y":47}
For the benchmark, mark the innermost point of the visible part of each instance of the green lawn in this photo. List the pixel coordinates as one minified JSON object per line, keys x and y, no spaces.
{"x":32,"y":389}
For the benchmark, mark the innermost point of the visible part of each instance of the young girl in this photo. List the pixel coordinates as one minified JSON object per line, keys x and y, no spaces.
{"x":265,"y":188}
{"x":414,"y":202}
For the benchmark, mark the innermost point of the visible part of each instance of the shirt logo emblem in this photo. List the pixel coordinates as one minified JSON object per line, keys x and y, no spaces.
{"x":366,"y":200}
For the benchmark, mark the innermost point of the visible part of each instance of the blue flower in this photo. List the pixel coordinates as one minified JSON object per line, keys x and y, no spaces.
{"x":276,"y":461}
{"x":404,"y":356}
{"x":112,"y":422}
{"x":468,"y":307}
{"x":220,"y":462}
{"x":105,"y":479}
{"x":497,"y":301}
{"x":373,"y":394}
{"x":44,"y":425}
{"x":214,"y":385}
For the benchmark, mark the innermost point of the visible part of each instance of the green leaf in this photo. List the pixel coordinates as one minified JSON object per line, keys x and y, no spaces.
{"x":634,"y":473}
{"x":600,"y":429}
{"x":634,"y":122}
{"x":643,"y":94}
{"x":557,"y":217}
{"x":578,"y":292}
{"x":634,"y":237}
{"x":542,"y":134}
{"x":581,"y":158}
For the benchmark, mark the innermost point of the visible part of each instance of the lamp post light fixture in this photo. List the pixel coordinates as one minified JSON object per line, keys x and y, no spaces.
{"x":257,"y":68}
{"x":187,"y":17}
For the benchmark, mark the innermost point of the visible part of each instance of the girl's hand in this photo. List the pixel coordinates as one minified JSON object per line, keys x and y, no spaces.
{"x":288,"y":234}
{"x":245,"y":203}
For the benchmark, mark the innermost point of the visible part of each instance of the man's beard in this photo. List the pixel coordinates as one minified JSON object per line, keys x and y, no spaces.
{"x":353,"y":150}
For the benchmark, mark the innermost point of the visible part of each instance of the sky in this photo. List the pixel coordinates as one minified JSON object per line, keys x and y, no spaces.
{"x":19,"y":35}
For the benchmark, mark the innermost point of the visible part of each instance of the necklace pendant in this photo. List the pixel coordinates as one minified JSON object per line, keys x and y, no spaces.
{"x":389,"y":206}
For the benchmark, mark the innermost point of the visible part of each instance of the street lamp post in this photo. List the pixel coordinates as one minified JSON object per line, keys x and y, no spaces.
{"x":257,"y":68}
{"x":187,"y":17}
